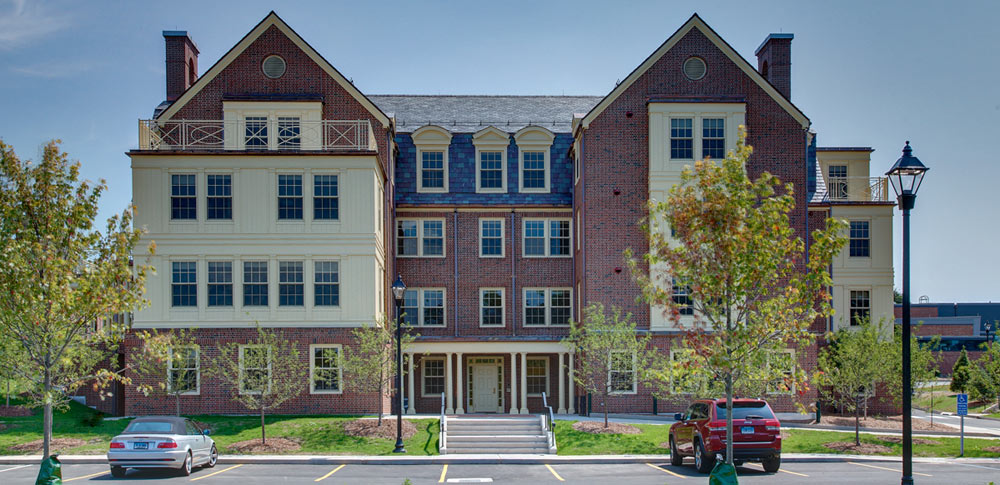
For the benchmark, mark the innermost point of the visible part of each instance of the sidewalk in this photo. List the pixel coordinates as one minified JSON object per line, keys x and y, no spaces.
{"x":511,"y":459}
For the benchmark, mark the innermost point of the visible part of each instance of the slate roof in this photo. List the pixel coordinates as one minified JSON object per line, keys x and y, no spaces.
{"x":469,"y":114}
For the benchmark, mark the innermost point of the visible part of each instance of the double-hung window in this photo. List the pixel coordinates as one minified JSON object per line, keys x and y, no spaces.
{"x":491,"y":238}
{"x":547,"y":237}
{"x":289,"y":133}
{"x":682,"y":299}
{"x":491,"y":307}
{"x":713,"y":138}
{"x":255,"y":283}
{"x":184,"y":284}
{"x":681,"y":139}
{"x":432,"y":170}
{"x":326,"y":205}
{"x":183,"y":370}
{"x":433,"y":376}
{"x":291,"y":286}
{"x":183,"y":197}
{"x":327,"y":283}
{"x":219,"y":196}
{"x":420,"y":237}
{"x":255,"y":137}
{"x":547,"y":306}
{"x":537,"y":376}
{"x":289,"y":197}
{"x":860,"y":242}
{"x":325,"y":374}
{"x":533,"y":171}
{"x":424,"y":307}
{"x":621,"y":378}
{"x":491,"y":170}
{"x":860,"y":309}
{"x":220,"y":283}
{"x":255,"y":369}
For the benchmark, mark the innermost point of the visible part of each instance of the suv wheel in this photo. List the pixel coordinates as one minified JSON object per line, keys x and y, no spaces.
{"x":772,"y":464}
{"x":703,"y":461}
{"x":675,"y":457}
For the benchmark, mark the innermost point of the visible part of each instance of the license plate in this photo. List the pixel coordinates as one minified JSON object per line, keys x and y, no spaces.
{"x":141,"y":445}
{"x":746,"y":430}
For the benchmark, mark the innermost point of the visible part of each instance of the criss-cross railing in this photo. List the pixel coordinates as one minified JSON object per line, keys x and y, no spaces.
{"x":857,"y":189}
{"x":282,"y":134}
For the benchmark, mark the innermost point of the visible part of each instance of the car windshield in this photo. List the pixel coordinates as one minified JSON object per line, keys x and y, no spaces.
{"x":150,"y":427}
{"x":745,"y":410}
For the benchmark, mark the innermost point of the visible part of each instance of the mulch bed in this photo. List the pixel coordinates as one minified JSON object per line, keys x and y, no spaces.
{"x":863,"y":449}
{"x":597,"y":427}
{"x":916,"y":441}
{"x":14,"y":411}
{"x":888,"y":422}
{"x":273,"y":445}
{"x":992,"y":449}
{"x":55,"y":444}
{"x":369,"y":428}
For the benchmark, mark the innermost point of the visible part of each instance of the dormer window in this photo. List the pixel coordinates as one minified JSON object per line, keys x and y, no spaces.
{"x":260,"y":125}
{"x":534,"y":145}
{"x":432,"y":144}
{"x":491,"y":160}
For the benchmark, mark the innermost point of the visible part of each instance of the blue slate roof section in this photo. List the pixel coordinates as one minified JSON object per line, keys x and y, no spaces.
{"x":462,"y":175}
{"x":469,"y":114}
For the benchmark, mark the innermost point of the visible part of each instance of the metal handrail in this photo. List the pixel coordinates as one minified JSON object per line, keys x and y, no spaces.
{"x":441,"y":425}
{"x":550,"y":427}
{"x":269,"y":135}
{"x":857,"y":189}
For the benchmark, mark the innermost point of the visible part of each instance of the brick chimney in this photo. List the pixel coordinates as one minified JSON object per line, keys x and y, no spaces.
{"x":774,"y":62}
{"x":182,"y":62}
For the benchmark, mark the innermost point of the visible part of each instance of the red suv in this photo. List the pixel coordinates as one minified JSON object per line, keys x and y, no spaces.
{"x":701,"y":432}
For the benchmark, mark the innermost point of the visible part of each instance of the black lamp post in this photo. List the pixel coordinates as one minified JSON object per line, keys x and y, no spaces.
{"x":905,"y":177}
{"x":988,"y":326}
{"x":398,"y":289}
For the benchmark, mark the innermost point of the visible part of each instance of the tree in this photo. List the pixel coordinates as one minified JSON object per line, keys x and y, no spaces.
{"x":923,"y":365}
{"x":726,"y":266}
{"x":168,"y":364}
{"x":263,"y":373}
{"x":370,"y":363}
{"x":611,"y":357}
{"x":856,"y":360}
{"x":61,"y":278}
{"x":960,"y":373}
{"x":984,"y":384}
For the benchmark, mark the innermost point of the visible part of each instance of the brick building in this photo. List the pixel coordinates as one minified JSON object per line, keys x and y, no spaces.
{"x":277,"y":192}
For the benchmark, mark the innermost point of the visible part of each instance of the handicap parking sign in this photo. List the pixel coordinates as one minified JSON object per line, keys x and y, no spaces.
{"x":963,"y":404}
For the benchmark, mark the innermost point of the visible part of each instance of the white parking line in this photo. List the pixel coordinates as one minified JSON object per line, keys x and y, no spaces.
{"x":14,"y":468}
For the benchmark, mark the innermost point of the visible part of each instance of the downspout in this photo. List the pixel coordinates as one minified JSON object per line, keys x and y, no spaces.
{"x":389,"y":226}
{"x":513,"y":279}
{"x":583,"y":219}
{"x":454,"y":255}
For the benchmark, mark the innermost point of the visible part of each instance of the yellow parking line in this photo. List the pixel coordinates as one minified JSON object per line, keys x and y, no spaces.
{"x":782,"y":470}
{"x":335,"y":470}
{"x":444,"y":471}
{"x":554,"y":473}
{"x":664,"y":470}
{"x":888,"y":469}
{"x":92,"y":475}
{"x":218,"y":472}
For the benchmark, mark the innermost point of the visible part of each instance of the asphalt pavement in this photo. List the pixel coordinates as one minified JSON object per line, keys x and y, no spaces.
{"x":653,"y":472}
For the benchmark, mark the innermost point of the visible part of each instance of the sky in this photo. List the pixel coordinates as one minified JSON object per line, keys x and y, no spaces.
{"x":867,"y":73}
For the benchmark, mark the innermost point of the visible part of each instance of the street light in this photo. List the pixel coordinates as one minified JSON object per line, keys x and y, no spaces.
{"x":989,"y":326}
{"x":905,"y":177}
{"x":398,"y":290}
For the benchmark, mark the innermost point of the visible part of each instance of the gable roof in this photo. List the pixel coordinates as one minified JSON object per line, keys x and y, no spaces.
{"x":471,"y":113}
{"x":695,"y":22}
{"x":270,"y":20}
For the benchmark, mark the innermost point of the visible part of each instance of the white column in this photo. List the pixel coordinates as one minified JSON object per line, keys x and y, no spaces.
{"x":513,"y":383}
{"x":458,"y":382}
{"x":412,"y":408}
{"x":561,"y":375}
{"x":448,"y":385}
{"x":572,"y":386}
{"x":524,"y":383}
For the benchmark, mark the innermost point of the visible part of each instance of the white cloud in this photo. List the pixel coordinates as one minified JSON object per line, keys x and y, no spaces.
{"x":27,"y":20}
{"x":55,"y":69}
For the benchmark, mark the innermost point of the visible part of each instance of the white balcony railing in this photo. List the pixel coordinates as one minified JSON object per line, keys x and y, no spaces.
{"x":251,"y":135}
{"x":857,"y":189}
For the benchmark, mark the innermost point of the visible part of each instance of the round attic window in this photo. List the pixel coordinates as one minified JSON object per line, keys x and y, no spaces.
{"x":273,"y":66}
{"x":694,"y":68}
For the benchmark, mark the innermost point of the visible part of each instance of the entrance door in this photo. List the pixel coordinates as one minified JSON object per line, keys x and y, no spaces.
{"x":484,"y":388}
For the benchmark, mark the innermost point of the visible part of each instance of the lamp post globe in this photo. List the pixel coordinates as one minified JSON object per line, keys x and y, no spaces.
{"x":906,"y":175}
{"x":398,"y":290}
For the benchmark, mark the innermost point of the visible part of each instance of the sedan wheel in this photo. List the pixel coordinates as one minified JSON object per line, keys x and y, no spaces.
{"x":117,"y":472}
{"x":213,"y":457}
{"x":186,"y":468}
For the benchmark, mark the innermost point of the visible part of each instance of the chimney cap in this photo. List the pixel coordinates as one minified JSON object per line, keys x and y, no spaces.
{"x":180,"y":33}
{"x":762,"y":44}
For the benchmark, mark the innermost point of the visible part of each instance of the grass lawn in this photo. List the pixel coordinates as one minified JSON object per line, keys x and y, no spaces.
{"x":316,"y":434}
{"x":946,"y":401}
{"x":572,"y":442}
{"x":811,"y":441}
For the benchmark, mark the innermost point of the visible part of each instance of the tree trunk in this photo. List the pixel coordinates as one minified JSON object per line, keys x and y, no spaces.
{"x":857,"y":425}
{"x":379,"y":397}
{"x":47,"y":415}
{"x":605,"y":406}
{"x":177,"y":404}
{"x":8,"y":394}
{"x":263,"y":433}
{"x":729,"y":418}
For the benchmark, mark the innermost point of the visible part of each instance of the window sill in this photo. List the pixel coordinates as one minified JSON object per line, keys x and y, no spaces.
{"x":534,"y":191}
{"x":312,"y":391}
{"x":219,"y":221}
{"x":492,"y":256}
{"x":432,"y":191}
{"x":564,"y":256}
{"x":501,"y":190}
{"x":426,"y":257}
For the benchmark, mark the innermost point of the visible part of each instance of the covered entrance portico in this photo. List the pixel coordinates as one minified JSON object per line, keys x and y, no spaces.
{"x":489,"y":377}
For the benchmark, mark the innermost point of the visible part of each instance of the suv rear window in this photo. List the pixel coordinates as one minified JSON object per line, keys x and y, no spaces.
{"x":744,"y":410}
{"x":150,"y":427}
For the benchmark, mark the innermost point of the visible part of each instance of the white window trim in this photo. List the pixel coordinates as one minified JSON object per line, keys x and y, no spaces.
{"x":847,"y":296}
{"x":503,"y":307}
{"x":420,"y":169}
{"x":791,"y":391}
{"x":863,"y":219}
{"x":420,"y":237}
{"x":241,"y":368}
{"x":491,"y":139}
{"x":503,"y":237}
{"x":312,"y":368}
{"x":697,"y":132}
{"x":232,"y":196}
{"x":578,"y":225}
{"x":548,"y":306}
{"x":423,"y":375}
{"x":197,"y":370}
{"x":661,"y":113}
{"x":635,"y":378}
{"x":311,"y":273}
{"x":306,"y":199}
{"x":236,"y":112}
{"x":197,"y":286}
{"x":312,"y":197}
{"x":534,"y":139}
{"x":198,"y":191}
{"x":420,"y":306}
{"x":548,"y":236}
{"x":526,"y":376}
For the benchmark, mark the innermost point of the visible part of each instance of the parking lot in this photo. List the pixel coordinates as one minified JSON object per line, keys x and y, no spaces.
{"x":850,"y":472}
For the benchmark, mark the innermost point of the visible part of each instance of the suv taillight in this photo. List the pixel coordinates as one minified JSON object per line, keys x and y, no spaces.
{"x":115,"y":444}
{"x":772,"y":428}
{"x":167,"y":444}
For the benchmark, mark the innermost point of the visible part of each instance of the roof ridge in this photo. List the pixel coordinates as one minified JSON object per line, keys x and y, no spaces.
{"x":489,"y":95}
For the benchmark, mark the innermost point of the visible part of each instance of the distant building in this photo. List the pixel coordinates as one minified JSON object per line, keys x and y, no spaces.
{"x":960,"y":326}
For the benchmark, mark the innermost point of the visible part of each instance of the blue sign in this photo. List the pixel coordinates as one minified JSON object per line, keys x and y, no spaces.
{"x":963,"y":404}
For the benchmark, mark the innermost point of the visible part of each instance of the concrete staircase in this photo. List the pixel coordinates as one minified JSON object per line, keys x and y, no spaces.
{"x":496,"y":435}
